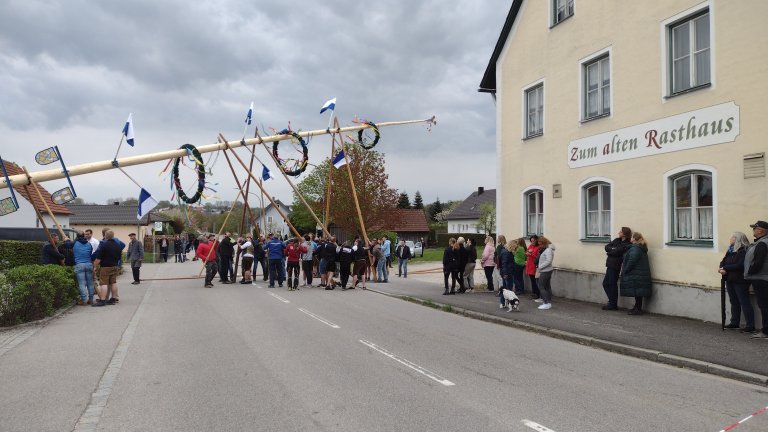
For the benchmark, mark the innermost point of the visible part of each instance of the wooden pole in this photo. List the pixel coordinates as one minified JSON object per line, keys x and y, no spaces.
{"x":40,"y":217}
{"x":327,"y":215}
{"x":226,"y":143}
{"x":220,"y":231}
{"x":248,"y":189}
{"x":296,"y":190}
{"x":53,"y":174}
{"x":354,"y":191}
{"x":47,"y":208}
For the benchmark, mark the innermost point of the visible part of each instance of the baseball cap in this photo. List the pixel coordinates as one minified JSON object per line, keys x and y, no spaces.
{"x":760,"y":224}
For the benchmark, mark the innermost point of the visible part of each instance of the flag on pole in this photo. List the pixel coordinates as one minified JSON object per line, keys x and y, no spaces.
{"x":49,"y":155}
{"x":146,"y":203}
{"x":249,"y":115}
{"x":328,"y":105}
{"x":128,"y":130}
{"x":339,"y":161}
{"x":265,"y":174}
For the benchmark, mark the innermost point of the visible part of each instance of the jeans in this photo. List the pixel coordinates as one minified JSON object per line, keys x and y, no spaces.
{"x":545,"y":285}
{"x":489,"y":276}
{"x":381,"y":270}
{"x":275,"y":272}
{"x":210,"y":271}
{"x":227,"y":271}
{"x":469,"y":275}
{"x":84,"y":273}
{"x":306,"y":266}
{"x":517,"y":276}
{"x":611,"y":286}
{"x":264,"y":267}
{"x":738,"y":294}
{"x":761,"y":292}
{"x":402,"y":267}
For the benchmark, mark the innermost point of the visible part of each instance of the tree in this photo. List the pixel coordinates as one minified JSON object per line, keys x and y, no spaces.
{"x":418,"y":203}
{"x":487,"y":219}
{"x":435,"y":209}
{"x":403,"y":202}
{"x":376,"y":198}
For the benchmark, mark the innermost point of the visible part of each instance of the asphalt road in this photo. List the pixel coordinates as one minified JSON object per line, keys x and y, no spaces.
{"x":175,"y":356}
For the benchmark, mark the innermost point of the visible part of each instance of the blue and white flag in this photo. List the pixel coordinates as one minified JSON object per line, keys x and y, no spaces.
{"x":128,"y":130}
{"x":265,"y":174}
{"x":249,"y":116}
{"x":329,"y":105}
{"x":146,"y":203}
{"x":339,"y":161}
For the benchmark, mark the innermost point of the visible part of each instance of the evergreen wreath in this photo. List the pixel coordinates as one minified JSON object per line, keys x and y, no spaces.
{"x":200,"y":175}
{"x":299,"y":166}
{"x":363,"y":143}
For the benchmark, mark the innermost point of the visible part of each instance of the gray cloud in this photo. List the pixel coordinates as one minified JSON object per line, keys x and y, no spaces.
{"x":188,"y":70}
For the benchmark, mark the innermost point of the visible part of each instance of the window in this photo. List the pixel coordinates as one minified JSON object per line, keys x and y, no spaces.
{"x":534,"y":211}
{"x":597,"y":205}
{"x":692,"y":215}
{"x":534,"y":111}
{"x":597,"y":88}
{"x":689,"y":52}
{"x":561,"y":9}
{"x":269,"y":219}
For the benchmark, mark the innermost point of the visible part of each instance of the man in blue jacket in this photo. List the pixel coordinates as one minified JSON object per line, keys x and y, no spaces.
{"x":275,"y":253}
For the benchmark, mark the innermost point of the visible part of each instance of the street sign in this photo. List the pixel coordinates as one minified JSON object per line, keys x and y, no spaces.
{"x":158,"y":226}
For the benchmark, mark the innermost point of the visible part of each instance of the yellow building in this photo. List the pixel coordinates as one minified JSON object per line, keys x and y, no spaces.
{"x":645,"y":114}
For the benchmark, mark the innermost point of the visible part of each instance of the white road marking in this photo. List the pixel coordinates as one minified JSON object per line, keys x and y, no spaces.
{"x":535,"y":426}
{"x":319,"y":318}
{"x":429,"y":374}
{"x":16,"y":338}
{"x":89,"y":420}
{"x":279,"y":298}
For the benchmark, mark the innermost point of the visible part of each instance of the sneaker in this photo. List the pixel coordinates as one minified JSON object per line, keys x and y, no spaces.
{"x":134,"y":283}
{"x":538,"y":300}
{"x":271,"y":286}
{"x":90,"y":301}
{"x":80,"y":303}
{"x":98,"y":303}
{"x":209,"y":285}
{"x":635,"y":312}
{"x":610,"y":307}
{"x":112,"y":301}
{"x":732,"y":327}
{"x":501,"y":306}
{"x":545,"y":306}
{"x":759,"y":335}
{"x":748,"y":330}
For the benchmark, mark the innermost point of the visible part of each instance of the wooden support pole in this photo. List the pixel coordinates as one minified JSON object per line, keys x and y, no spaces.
{"x":45,"y":203}
{"x":40,"y":217}
{"x":352,"y":183}
{"x":327,"y":215}
{"x":42,"y":176}
{"x":296,"y":191}
{"x":287,"y":221}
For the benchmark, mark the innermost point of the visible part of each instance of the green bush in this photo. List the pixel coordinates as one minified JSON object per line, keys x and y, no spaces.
{"x":17,"y":253}
{"x":32,"y":292}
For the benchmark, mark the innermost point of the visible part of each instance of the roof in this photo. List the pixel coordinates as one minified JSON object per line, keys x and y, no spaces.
{"x":410,"y":220}
{"x":32,"y":196}
{"x":470,"y":207}
{"x":488,"y":83}
{"x":96,"y":214}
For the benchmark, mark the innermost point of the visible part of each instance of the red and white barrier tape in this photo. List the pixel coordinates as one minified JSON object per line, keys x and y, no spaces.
{"x":735,"y":425}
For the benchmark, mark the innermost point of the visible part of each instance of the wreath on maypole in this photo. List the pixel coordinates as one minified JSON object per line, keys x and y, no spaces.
{"x":292,"y":167}
{"x":195,"y":155}
{"x":365,"y":141}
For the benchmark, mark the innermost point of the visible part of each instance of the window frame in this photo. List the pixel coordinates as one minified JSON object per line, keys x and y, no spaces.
{"x":601,"y":185}
{"x":537,"y":86}
{"x":668,"y":69}
{"x":605,"y":54}
{"x":670,"y":208}
{"x":554,"y":8}
{"x":526,"y":214}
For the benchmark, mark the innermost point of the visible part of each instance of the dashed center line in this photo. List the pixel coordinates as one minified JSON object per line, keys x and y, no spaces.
{"x":319,"y":318}
{"x":537,"y":427}
{"x":429,"y":374}
{"x":279,"y":298}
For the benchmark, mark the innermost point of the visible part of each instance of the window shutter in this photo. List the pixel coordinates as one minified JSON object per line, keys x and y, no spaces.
{"x":754,"y":165}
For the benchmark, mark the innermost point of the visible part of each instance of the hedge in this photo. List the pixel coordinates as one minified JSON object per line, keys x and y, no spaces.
{"x":17,"y":253}
{"x":32,"y":292}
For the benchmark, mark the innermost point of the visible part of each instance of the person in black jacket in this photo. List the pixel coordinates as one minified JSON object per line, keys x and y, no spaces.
{"x":450,"y":266}
{"x":361,"y":262}
{"x":51,"y":253}
{"x":732,"y":269}
{"x":615,"y":251}
{"x":226,"y":252}
{"x":403,"y":253}
{"x":345,"y":258}
{"x":461,"y":263}
{"x":329,"y":254}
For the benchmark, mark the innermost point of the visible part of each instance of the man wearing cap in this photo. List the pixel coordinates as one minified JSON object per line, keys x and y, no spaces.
{"x":107,"y":259}
{"x":756,"y":272}
{"x":135,"y":255}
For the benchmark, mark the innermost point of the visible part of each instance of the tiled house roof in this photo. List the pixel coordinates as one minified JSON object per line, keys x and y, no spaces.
{"x":95,"y":214}
{"x":470,"y":208}
{"x":32,"y":196}
{"x":411,"y":220}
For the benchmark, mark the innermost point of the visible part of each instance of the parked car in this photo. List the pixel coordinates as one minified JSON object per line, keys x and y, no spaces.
{"x":416,"y":249}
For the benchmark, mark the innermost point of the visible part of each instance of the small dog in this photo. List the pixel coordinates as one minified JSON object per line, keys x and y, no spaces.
{"x":510,"y":300}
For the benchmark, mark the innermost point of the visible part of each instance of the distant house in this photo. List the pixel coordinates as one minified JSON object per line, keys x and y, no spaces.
{"x":119,"y":218}
{"x":464,"y":218}
{"x":272,"y":222}
{"x":411,"y":224}
{"x":25,"y":216}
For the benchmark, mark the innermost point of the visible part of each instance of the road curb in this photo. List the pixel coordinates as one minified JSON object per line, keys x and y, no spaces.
{"x":615,"y":347}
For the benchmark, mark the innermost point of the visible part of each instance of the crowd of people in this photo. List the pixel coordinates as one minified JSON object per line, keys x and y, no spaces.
{"x":299,"y":261}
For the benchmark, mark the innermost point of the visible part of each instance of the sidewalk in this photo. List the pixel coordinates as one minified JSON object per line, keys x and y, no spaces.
{"x":678,"y":341}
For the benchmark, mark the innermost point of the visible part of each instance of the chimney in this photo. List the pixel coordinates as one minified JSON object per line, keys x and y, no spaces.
{"x":116,"y":203}
{"x":480,"y":190}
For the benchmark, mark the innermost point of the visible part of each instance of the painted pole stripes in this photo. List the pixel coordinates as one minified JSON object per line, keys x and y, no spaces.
{"x":742,"y":421}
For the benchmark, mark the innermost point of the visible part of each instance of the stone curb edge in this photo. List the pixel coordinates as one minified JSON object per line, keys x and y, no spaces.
{"x":40,"y":322}
{"x":619,"y":348}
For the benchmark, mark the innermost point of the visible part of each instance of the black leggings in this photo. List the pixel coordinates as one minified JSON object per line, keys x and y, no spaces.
{"x":638,"y":303}
{"x":293,"y":267}
{"x":454,"y":277}
{"x":489,"y":276}
{"x":306,"y":266}
{"x":534,"y":285}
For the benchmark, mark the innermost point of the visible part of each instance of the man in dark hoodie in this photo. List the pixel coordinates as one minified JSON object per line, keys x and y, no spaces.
{"x":615,"y":251}
{"x":51,"y":254}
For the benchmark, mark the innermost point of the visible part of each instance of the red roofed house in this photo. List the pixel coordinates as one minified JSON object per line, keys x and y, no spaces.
{"x":411,"y":224}
{"x":25,"y":216}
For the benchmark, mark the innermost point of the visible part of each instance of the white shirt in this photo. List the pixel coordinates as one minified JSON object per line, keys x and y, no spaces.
{"x":245,"y":247}
{"x":94,"y":244}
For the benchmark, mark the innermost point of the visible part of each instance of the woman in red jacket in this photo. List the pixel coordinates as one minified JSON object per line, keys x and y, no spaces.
{"x":293,"y":251}
{"x":530,"y":265}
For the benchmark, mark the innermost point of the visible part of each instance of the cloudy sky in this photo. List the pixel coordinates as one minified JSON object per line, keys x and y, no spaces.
{"x":71,"y":71}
